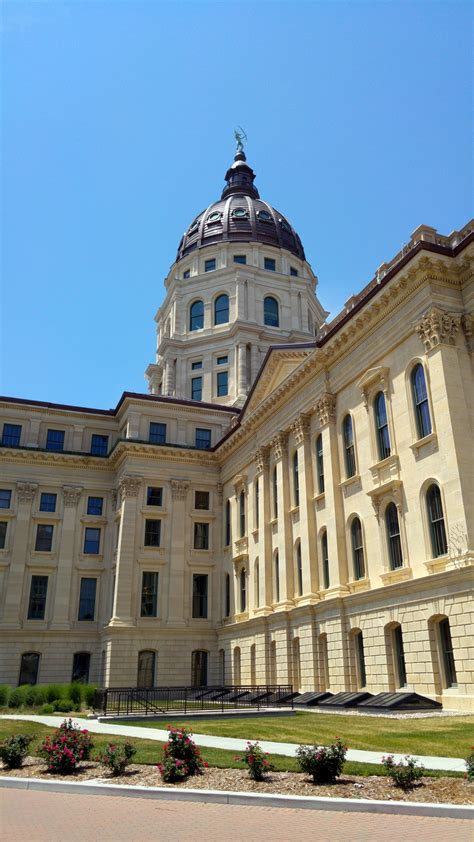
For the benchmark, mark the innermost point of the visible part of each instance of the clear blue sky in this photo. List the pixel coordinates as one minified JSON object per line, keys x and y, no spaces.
{"x":117,"y":128}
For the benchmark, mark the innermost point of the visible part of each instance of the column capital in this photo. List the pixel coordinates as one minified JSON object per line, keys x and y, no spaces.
{"x":262,"y":459}
{"x":437,"y":327}
{"x":301,"y":428}
{"x":325,"y":408}
{"x":129,"y":485}
{"x":26,"y":491}
{"x":72,"y":494}
{"x":179,"y":489}
{"x":279,"y":444}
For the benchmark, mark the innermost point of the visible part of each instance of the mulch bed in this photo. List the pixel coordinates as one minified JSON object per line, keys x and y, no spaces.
{"x":429,"y":790}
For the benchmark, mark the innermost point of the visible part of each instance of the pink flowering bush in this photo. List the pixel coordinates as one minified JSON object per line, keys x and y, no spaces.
{"x":117,"y":756}
{"x":256,"y":760}
{"x":181,"y":756}
{"x":405,"y":773}
{"x":65,"y":750}
{"x":324,"y":763}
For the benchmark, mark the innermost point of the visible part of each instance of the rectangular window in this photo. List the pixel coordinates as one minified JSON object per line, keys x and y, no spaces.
{"x":37,"y":601}
{"x":5,"y":498}
{"x":222,"y":360}
{"x":3,"y":534}
{"x":55,"y":440}
{"x":201,"y":536}
{"x":187,"y":273}
{"x":80,"y":667}
{"x":201,"y":500}
{"x":203,"y":438}
{"x":95,"y":505}
{"x":87,"y":599}
{"x":29,"y":668}
{"x":240,"y":258}
{"x":157,"y":434}
{"x":149,"y":603}
{"x":152,"y":533}
{"x":154,"y":496}
{"x":92,"y":540}
{"x":448,"y":654}
{"x":99,"y":445}
{"x":44,"y":538}
{"x":222,"y":383}
{"x":196,"y":388}
{"x":196,"y":365}
{"x":361,"y":660}
{"x":269,"y":264}
{"x":400,"y":656}
{"x":210,"y":265}
{"x":200,"y":595}
{"x":48,"y":502}
{"x":11,"y":435}
{"x":293,"y":271}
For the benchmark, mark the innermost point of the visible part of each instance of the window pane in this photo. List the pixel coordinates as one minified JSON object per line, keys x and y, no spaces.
{"x":448,"y":654}
{"x":87,"y":599}
{"x":277,"y":578}
{"x":222,"y":383}
{"x":203,"y":438}
{"x":242,"y":514}
{"x":243,"y":591}
{"x":227,"y":596}
{"x":37,"y":601}
{"x":11,"y":435}
{"x":196,"y":388}
{"x":149,"y":602}
{"x":296,"y":479}
{"x":228,"y":527}
{"x":47,"y":502}
{"x":201,"y":536}
{"x":357,"y":549}
{"x":80,"y":667}
{"x":400,"y":657}
{"x":325,"y":559}
{"x":5,"y":498}
{"x":361,"y":659}
{"x":210,"y":265}
{"x":221,"y":310}
{"x":55,"y":440}
{"x":293,"y":271}
{"x":240,"y":258}
{"x":200,"y":595}
{"x":92,"y":541}
{"x":157,"y":433}
{"x":269,"y":264}
{"x":196,"y":316}
{"x":29,"y":668}
{"x":270,"y":312}
{"x":154,"y":496}
{"x":383,"y":437}
{"x":420,"y":399}
{"x":299,"y":567}
{"x":44,"y":538}
{"x":349,"y":451}
{"x":222,"y":360}
{"x":439,"y":543}
{"x":393,"y":536}
{"x":95,"y":505}
{"x":99,"y":445}
{"x":201,"y":499}
{"x":199,"y":669}
{"x":146,"y":669}
{"x":320,"y":463}
{"x":3,"y":534}
{"x":275,"y":491}
{"x":152,"y":533}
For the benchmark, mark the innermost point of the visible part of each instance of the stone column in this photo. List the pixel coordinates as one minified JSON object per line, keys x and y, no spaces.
{"x":129,"y":488}
{"x":262,"y":462}
{"x":254,"y":362}
{"x":179,"y":536}
{"x":25,"y":492}
{"x":63,"y":610}
{"x":332,"y":516}
{"x":309,"y":553}
{"x":242,"y":370}
{"x":170,"y":379}
{"x":279,"y":446}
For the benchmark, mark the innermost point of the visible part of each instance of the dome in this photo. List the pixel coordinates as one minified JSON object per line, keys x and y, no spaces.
{"x":242,"y":216}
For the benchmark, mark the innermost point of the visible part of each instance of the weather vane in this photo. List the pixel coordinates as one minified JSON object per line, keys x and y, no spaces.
{"x":240,"y":136}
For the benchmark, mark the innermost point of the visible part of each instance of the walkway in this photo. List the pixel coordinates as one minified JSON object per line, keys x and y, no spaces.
{"x":444,"y":764}
{"x":54,"y":817}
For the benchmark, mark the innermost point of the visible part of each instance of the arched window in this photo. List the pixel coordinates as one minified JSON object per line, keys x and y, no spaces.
{"x":320,"y":463}
{"x":381,"y":426}
{"x":277,"y":577}
{"x":242,"y":514}
{"x":29,"y":667}
{"x":299,"y":569}
{"x":325,"y":558}
{"x":447,"y":652}
{"x":228,"y":527}
{"x":420,"y":401}
{"x":196,"y":316}
{"x":349,"y":450}
{"x":146,"y":668}
{"x":360,"y":655}
{"x":275,"y":491}
{"x":257,"y":583}
{"x":357,"y":549}
{"x":271,"y":316}
{"x":393,"y":537}
{"x":256,"y":487}
{"x":80,"y":667}
{"x":439,"y":544}
{"x":237,"y":676}
{"x":243,"y":590}
{"x":227,"y":596}
{"x":221,"y":309}
{"x":199,"y":660}
{"x":296,"y":479}
{"x":399,"y":652}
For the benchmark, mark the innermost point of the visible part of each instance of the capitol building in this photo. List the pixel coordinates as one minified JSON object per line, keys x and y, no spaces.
{"x":291,"y":502}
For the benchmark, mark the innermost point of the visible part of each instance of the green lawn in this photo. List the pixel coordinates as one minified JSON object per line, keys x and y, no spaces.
{"x":442,"y":737}
{"x":149,"y":751}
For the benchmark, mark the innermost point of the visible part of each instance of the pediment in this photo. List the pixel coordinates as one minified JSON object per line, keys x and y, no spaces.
{"x":278,"y":366}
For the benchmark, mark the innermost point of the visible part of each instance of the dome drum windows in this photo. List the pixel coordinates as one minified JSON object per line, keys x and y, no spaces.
{"x":271,"y":312}
{"x":239,"y":213}
{"x":196,"y":315}
{"x":214,"y":217}
{"x":221,"y":309}
{"x":264,"y":216}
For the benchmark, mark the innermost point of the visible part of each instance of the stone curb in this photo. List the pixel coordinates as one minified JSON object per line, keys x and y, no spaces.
{"x":207,"y":796}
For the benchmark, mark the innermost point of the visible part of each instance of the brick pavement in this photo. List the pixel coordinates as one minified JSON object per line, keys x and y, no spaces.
{"x":55,"y":817}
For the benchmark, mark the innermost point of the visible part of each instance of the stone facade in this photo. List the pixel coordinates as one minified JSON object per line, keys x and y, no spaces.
{"x":286,"y":542}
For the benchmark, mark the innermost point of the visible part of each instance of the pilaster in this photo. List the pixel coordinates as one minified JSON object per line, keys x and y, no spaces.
{"x":129,"y":488}
{"x":279,"y":445}
{"x":25,"y":492}
{"x":62,"y":602}
{"x":178,"y":537}
{"x":301,"y":429}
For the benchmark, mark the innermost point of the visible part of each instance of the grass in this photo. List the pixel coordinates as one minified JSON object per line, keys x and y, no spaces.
{"x":439,"y":737}
{"x":149,"y":751}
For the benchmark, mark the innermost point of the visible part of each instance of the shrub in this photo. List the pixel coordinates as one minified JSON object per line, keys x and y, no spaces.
{"x":470,"y":767}
{"x":117,"y":757}
{"x":181,"y":756}
{"x":4,"y":695}
{"x":324,"y":763}
{"x":75,"y":694}
{"x":69,"y":745}
{"x":63,"y":705}
{"x":18,"y":696}
{"x":404,"y":773}
{"x":256,"y":760}
{"x":13,"y":750}
{"x":47,"y":709}
{"x":88,"y":691}
{"x":36,"y":695}
{"x":54,"y":692}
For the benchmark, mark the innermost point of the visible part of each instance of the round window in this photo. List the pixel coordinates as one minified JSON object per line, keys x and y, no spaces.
{"x":284,"y":225}
{"x":264,"y":216}
{"x":240,"y":213}
{"x":214,"y":216}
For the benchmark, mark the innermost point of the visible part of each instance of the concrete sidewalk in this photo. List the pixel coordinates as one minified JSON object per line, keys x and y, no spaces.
{"x":443,"y":764}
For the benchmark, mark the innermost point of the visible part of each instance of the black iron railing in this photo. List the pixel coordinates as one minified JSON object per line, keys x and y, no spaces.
{"x":127,"y":701}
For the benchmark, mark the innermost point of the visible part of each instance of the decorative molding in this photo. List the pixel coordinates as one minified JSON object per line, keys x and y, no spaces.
{"x":325,"y":408}
{"x":72,"y":494}
{"x":279,"y":445}
{"x":240,"y":484}
{"x":114,"y":497}
{"x":129,"y":485}
{"x":262,"y":459}
{"x":179,"y":489}
{"x":301,"y":428}
{"x":467,"y":322}
{"x":437,"y":327}
{"x":377,"y":376}
{"x":26,"y":491}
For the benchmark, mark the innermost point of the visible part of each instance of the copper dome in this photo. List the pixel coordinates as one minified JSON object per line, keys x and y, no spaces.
{"x":240,"y":216}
